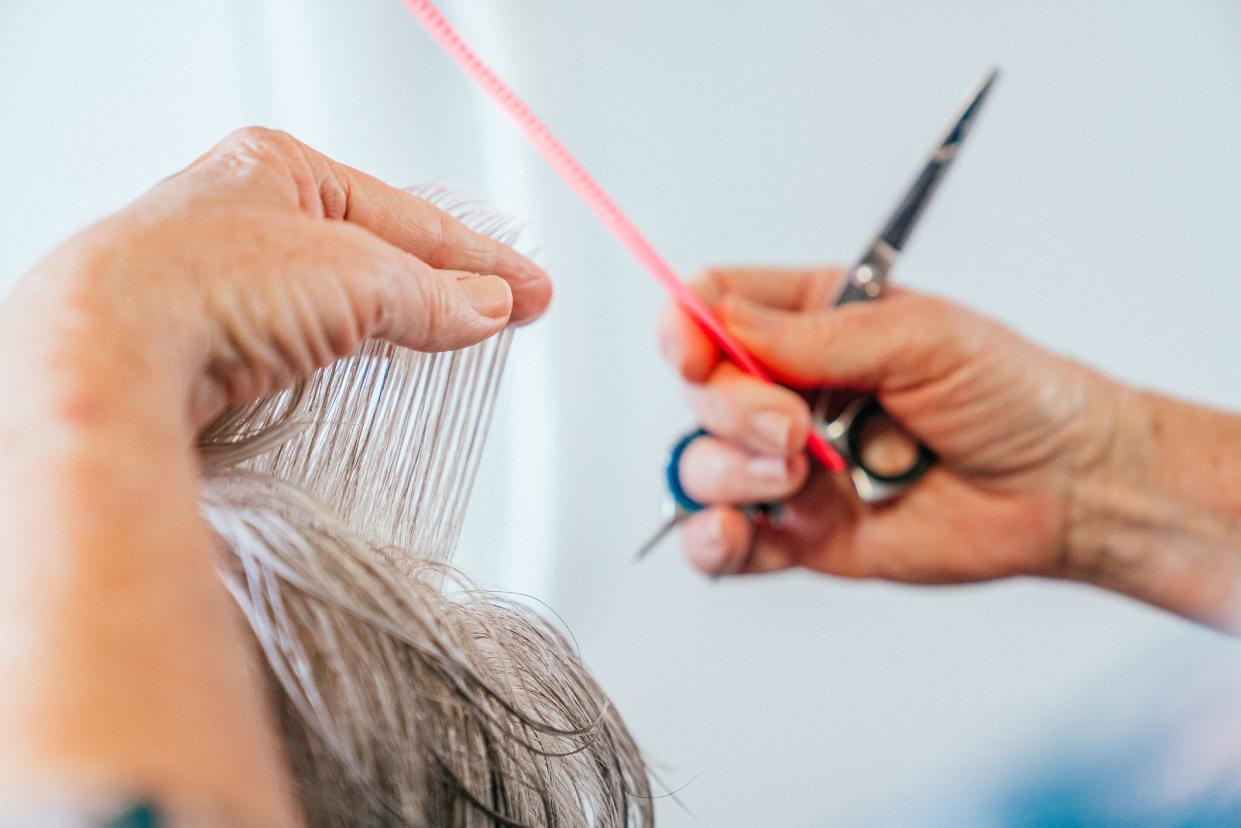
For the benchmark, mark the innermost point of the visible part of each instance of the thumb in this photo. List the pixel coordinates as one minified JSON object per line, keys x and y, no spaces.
{"x":899,"y":341}
{"x":443,"y":310}
{"x":407,"y":302}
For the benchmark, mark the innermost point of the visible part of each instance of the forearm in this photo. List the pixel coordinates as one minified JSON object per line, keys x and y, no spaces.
{"x":1159,"y":519}
{"x":123,"y":667}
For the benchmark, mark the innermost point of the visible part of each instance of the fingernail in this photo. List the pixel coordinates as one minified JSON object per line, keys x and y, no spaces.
{"x":488,"y":295}
{"x":772,"y":469}
{"x":670,"y":345}
{"x":773,"y":427}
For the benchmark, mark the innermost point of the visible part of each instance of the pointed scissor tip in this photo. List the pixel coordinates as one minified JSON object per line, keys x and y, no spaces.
{"x":985,"y":83}
{"x":973,"y":103}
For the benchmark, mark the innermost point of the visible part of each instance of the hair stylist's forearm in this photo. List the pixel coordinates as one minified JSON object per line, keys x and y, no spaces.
{"x":122,"y":670}
{"x":1160,"y":519}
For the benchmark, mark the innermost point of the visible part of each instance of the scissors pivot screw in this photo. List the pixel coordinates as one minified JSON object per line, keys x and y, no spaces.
{"x":868,"y":278}
{"x":859,"y":415}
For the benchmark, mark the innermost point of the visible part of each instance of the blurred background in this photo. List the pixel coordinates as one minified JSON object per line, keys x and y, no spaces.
{"x":1096,"y":209}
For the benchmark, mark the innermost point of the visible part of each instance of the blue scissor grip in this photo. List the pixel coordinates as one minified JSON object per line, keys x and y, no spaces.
{"x":673,"y":472}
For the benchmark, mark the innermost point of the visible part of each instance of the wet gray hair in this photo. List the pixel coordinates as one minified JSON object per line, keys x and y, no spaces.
{"x":404,"y":695}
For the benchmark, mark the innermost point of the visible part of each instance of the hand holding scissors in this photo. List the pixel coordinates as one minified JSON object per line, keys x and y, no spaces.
{"x":1021,"y":436}
{"x":851,"y":422}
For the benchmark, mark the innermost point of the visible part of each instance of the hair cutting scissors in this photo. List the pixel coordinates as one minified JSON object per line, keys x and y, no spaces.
{"x":848,"y":422}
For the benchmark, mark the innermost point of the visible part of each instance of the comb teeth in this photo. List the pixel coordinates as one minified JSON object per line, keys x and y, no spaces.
{"x":596,"y":199}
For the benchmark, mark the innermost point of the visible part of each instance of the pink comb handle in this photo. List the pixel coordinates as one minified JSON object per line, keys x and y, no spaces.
{"x":599,"y":202}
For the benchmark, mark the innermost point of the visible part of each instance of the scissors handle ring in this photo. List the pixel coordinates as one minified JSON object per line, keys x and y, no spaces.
{"x":845,"y":433}
{"x":672,"y":473}
{"x":685,"y":504}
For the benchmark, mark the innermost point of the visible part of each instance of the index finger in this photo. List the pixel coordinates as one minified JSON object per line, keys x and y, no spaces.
{"x":692,"y":352}
{"x":329,"y":189}
{"x":419,"y":227}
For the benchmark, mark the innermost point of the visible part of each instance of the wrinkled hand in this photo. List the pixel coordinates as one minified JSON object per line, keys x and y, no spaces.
{"x":264,"y":260}
{"x":1012,"y":427}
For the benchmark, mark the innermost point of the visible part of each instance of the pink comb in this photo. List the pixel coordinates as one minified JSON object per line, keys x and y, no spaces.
{"x":589,"y":191}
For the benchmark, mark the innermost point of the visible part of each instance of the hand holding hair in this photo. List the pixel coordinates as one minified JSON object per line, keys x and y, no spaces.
{"x":1045,"y":466}
{"x":125,"y":666}
{"x":264,"y":260}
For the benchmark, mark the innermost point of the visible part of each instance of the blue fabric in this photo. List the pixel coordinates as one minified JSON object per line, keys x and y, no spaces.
{"x":139,"y":816}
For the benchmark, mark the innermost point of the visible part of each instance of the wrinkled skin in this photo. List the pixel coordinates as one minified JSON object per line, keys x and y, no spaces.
{"x":1013,"y":428}
{"x":124,"y":667}
{"x":264,"y":260}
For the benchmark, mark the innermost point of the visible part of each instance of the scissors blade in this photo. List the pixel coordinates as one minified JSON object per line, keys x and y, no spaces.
{"x":660,"y":533}
{"x":869,"y":276}
{"x":890,"y":241}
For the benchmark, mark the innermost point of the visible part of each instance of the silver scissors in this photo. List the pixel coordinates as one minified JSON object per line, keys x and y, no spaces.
{"x":851,"y":423}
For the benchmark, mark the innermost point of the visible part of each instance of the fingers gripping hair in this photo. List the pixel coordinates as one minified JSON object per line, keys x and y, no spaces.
{"x":404,"y":695}
{"x":411,"y":222}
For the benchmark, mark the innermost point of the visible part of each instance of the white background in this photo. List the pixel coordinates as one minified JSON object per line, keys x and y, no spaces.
{"x":1096,"y":209}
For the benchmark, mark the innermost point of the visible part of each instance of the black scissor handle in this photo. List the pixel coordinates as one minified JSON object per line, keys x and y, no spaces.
{"x":846,"y":433}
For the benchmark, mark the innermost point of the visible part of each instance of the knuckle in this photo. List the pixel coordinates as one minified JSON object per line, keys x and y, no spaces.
{"x":431,"y":309}
{"x":339,"y":340}
{"x":709,"y":273}
{"x":255,"y":140}
{"x":822,"y":286}
{"x":948,"y":327}
{"x":709,"y":281}
{"x":821,"y":328}
{"x":441,"y":243}
{"x":459,"y":247}
{"x":385,"y":316}
{"x":253,"y":134}
{"x":254,"y":152}
{"x":799,"y":472}
{"x":935,"y":337}
{"x":718,"y":408}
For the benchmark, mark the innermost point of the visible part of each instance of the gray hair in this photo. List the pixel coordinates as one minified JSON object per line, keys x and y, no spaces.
{"x":403,"y":694}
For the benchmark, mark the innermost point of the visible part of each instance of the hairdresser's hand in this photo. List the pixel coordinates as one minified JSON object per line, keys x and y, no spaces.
{"x":264,"y":260}
{"x":125,"y":671}
{"x":1012,"y":426}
